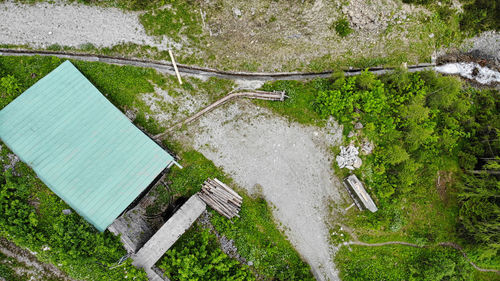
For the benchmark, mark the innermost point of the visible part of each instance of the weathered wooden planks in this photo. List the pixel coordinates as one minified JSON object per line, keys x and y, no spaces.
{"x":221,"y":198}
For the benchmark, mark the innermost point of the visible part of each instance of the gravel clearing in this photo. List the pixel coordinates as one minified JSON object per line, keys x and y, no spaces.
{"x":288,"y":163}
{"x":487,"y":43}
{"x":43,"y":24}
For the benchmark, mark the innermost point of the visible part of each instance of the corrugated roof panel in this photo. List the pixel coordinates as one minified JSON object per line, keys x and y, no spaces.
{"x":80,"y":145}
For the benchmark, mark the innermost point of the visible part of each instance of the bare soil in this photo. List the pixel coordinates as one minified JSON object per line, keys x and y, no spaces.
{"x":290,"y":164}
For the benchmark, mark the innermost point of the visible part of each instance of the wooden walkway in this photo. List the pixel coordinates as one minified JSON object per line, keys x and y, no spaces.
{"x":167,"y":235}
{"x":261,"y":95}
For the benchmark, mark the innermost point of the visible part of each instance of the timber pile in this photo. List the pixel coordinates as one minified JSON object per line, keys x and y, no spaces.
{"x":221,"y":198}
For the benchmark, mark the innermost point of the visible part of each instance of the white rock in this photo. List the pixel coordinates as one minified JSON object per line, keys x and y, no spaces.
{"x":348,"y":158}
{"x":237,"y":12}
{"x":357,"y":162}
{"x":358,"y":126}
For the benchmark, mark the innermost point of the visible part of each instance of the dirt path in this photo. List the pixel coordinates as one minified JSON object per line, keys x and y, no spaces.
{"x":444,"y":244}
{"x":43,"y":24}
{"x":34,"y":267}
{"x":288,"y":163}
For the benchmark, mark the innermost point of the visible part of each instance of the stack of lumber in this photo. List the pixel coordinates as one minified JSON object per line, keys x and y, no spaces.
{"x":221,"y":198}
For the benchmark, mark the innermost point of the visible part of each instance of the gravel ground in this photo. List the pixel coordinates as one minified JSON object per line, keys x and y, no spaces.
{"x":288,"y":163}
{"x":42,"y":24}
{"x":487,"y":44}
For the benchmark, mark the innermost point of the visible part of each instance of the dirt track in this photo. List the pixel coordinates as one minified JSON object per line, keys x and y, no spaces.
{"x":287,"y":162}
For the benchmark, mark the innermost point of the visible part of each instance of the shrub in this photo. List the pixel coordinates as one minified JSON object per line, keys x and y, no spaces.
{"x":9,"y":90}
{"x":342,"y":27}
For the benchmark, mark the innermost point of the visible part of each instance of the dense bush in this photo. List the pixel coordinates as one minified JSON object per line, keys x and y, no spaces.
{"x":421,"y":124}
{"x":415,"y":124}
{"x":197,"y":256}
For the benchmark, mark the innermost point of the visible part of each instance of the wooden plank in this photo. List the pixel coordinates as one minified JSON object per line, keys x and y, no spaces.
{"x":228,"y":189}
{"x":175,"y":66}
{"x":222,"y":193}
{"x":217,"y":206}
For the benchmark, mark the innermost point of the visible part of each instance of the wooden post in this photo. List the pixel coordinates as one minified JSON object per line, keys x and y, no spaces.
{"x":175,"y":66}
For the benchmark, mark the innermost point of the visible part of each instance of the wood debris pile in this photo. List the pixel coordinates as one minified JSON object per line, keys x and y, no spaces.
{"x":221,"y":198}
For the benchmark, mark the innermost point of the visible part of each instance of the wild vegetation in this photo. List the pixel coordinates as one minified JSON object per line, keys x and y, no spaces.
{"x":197,"y":256}
{"x":477,"y":15}
{"x":431,"y":137}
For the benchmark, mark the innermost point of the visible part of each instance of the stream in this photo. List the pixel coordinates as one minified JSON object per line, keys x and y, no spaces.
{"x":472,"y":71}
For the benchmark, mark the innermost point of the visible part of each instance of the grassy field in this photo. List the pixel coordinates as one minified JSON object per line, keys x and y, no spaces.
{"x":255,"y":233}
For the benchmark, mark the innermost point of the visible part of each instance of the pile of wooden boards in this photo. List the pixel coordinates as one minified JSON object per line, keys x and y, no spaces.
{"x":221,"y":198}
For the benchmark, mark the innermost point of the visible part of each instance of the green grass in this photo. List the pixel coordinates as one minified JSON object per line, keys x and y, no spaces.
{"x":406,"y":263}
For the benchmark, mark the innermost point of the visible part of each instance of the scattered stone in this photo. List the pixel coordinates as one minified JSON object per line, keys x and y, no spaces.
{"x":348,"y":158}
{"x":237,"y":12}
{"x":351,"y":134}
{"x":46,"y":248}
{"x":357,"y":163}
{"x":67,"y":211}
{"x":12,"y":160}
{"x":131,"y":114}
{"x":358,"y":126}
{"x":367,"y":147}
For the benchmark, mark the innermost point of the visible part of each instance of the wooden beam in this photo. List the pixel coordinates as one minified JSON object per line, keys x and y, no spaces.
{"x":175,"y":66}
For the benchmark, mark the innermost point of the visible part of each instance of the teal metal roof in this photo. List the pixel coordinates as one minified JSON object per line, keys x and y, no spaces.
{"x":80,"y":145}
